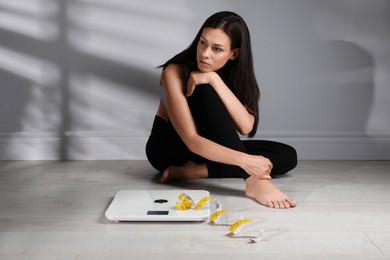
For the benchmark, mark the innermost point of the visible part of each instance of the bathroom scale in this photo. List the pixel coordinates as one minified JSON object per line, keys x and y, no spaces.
{"x":155,"y":205}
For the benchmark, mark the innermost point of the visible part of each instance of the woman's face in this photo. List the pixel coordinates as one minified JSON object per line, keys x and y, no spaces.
{"x":213,"y":50}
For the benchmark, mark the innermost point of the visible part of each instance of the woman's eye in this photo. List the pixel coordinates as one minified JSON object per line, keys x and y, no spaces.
{"x":217,"y":49}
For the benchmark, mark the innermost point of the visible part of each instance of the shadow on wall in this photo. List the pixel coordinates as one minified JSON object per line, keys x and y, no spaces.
{"x":343,"y":96}
{"x":29,"y":75}
{"x":48,"y":46}
{"x":113,"y":85}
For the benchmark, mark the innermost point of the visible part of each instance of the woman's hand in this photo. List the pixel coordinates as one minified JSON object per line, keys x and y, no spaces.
{"x":257,"y":166}
{"x":199,"y":78}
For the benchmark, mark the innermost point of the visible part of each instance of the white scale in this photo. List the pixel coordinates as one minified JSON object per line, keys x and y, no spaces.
{"x":155,"y":205}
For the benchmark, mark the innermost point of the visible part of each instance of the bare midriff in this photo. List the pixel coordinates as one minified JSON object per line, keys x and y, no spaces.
{"x":162,"y":112}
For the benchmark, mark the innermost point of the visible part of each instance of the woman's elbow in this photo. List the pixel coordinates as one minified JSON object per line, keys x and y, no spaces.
{"x":245,"y":129}
{"x":192,"y":143}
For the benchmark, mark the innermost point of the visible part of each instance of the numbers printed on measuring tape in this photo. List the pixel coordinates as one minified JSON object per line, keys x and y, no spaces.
{"x":186,"y":202}
{"x":237,"y":226}
{"x":215,"y":217}
{"x":202,"y":202}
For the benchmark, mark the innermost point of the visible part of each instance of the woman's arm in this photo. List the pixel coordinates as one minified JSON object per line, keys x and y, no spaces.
{"x":180,"y":115}
{"x":243,"y":120}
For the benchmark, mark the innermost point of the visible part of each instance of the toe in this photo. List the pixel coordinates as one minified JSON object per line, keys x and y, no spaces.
{"x":292,"y":202}
{"x":275,"y":204}
{"x":164,"y":177}
{"x":286,"y":204}
{"x":281,"y":204}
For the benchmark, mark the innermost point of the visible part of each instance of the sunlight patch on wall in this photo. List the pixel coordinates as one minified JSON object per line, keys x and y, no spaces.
{"x":99,"y":103}
{"x":33,"y":18}
{"x":37,"y":70}
{"x":138,"y":35}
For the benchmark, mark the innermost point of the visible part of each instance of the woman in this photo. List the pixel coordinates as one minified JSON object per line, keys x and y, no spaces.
{"x":209,"y":93}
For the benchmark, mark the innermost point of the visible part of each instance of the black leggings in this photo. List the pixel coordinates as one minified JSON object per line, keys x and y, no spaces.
{"x":165,"y":147}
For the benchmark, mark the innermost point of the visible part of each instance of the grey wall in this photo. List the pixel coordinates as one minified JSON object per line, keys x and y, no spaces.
{"x":77,"y":77}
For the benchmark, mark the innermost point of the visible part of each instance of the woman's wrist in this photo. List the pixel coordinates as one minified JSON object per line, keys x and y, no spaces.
{"x":215,"y":80}
{"x":241,"y":159}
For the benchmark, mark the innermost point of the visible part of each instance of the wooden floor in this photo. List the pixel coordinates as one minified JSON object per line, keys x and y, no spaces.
{"x":55,"y":210}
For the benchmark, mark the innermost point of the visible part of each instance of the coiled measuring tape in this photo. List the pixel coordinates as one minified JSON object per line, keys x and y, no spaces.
{"x":187,"y":203}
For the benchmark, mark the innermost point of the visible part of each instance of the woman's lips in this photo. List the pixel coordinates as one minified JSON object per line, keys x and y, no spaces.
{"x":204,"y":63}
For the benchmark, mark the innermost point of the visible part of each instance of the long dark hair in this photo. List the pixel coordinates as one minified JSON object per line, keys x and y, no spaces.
{"x":240,"y":73}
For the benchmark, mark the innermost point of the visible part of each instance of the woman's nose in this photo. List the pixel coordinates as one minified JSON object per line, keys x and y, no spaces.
{"x":206,"y":52}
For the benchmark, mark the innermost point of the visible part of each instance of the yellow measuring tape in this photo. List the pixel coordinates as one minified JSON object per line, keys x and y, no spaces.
{"x":187,"y":203}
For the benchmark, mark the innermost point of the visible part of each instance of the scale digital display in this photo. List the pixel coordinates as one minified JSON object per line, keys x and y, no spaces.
{"x":158,"y":212}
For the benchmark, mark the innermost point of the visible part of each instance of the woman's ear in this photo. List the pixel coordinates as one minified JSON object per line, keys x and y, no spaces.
{"x":235,"y":54}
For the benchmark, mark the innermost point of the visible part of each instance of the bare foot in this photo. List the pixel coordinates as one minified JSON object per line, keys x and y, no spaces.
{"x":267,"y":194}
{"x":187,"y":171}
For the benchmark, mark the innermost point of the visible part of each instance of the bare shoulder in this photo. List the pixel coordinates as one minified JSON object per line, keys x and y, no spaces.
{"x":173,"y":72}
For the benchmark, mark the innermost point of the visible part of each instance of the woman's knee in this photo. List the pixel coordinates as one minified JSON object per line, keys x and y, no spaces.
{"x":205,"y":102}
{"x":205,"y":92}
{"x":288,"y":160}
{"x":283,"y":156}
